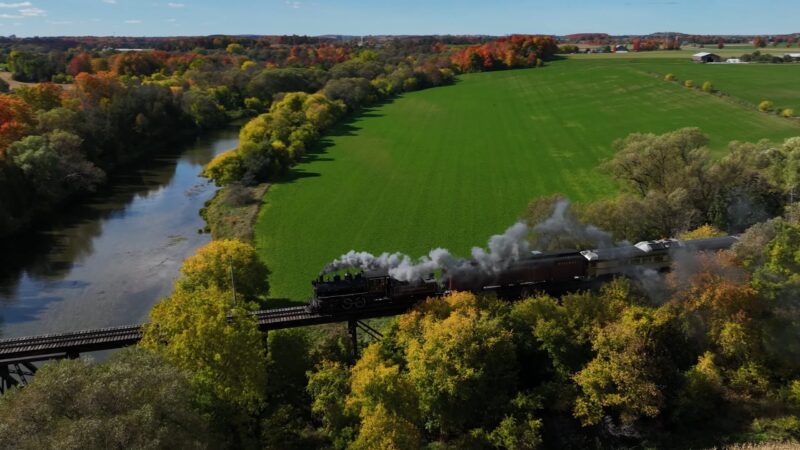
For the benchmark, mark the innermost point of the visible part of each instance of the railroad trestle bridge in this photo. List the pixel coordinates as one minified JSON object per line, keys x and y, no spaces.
{"x":19,"y":355}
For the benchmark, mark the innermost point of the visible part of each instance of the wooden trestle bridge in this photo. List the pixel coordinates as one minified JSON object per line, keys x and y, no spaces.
{"x":19,"y":355}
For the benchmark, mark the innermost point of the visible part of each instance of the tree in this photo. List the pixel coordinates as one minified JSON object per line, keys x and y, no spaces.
{"x":460,"y":359}
{"x":55,"y":164}
{"x":383,"y":430}
{"x":134,"y":400}
{"x":82,"y":62}
{"x":328,"y":386}
{"x":225,"y":265}
{"x":708,"y":87}
{"x":354,"y":92}
{"x":636,"y":364}
{"x":217,"y":342}
{"x":778,"y":278}
{"x":202,"y":106}
{"x":766,"y":106}
{"x":759,"y":42}
{"x":15,"y":120}
{"x":42,"y":96}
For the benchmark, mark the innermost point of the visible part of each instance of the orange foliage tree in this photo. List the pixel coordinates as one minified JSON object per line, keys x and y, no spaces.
{"x":511,"y":52}
{"x":15,"y":118}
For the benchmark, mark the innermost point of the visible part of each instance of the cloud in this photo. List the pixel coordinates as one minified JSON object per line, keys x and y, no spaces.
{"x":172,"y":20}
{"x":294,"y":4}
{"x":10,"y":16}
{"x":33,"y":12}
{"x":176,"y":5}
{"x":133,"y":21}
{"x":110,"y":2}
{"x":15,"y":5}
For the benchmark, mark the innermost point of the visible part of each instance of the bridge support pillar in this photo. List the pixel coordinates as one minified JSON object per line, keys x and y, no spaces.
{"x":352,"y":328}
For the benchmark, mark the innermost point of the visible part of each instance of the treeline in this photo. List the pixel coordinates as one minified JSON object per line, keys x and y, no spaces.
{"x":57,"y":144}
{"x":712,"y":358}
{"x":671,"y":183}
{"x":511,"y":52}
{"x":274,"y":141}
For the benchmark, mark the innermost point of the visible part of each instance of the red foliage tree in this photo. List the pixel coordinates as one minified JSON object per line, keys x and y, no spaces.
{"x":82,"y":62}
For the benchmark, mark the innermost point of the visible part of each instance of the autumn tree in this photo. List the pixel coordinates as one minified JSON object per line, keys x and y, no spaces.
{"x":136,"y":399}
{"x":42,"y":96}
{"x":460,"y":359}
{"x":225,"y":265}
{"x":637,"y":362}
{"x":15,"y":119}
{"x":82,"y":62}
{"x":218,"y":342}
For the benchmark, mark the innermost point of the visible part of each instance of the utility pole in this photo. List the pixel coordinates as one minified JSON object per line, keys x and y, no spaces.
{"x":233,"y":281}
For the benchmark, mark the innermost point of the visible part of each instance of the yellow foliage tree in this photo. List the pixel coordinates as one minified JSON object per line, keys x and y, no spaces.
{"x":701,"y":232}
{"x":218,"y":343}
{"x":225,"y":264}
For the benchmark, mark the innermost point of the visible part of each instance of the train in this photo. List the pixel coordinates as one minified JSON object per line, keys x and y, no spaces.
{"x":537,"y":272}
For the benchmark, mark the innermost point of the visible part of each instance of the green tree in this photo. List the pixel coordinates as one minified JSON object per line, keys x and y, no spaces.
{"x":56,"y":165}
{"x":328,"y":386}
{"x":134,"y":400}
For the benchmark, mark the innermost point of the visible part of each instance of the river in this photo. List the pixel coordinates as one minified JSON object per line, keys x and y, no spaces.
{"x":109,"y":259}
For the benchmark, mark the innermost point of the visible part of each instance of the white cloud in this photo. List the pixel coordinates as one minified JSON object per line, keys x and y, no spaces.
{"x":294,"y":4}
{"x":172,"y":20}
{"x":110,"y":2}
{"x":15,"y":5}
{"x":176,"y":5}
{"x":59,"y":22}
{"x":33,"y":12}
{"x":10,"y":16}
{"x":133,"y":21}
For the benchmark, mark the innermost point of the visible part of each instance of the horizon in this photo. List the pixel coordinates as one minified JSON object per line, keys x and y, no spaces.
{"x":74,"y":18}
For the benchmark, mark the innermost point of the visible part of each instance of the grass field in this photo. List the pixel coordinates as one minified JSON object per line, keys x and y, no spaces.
{"x":450,"y":166}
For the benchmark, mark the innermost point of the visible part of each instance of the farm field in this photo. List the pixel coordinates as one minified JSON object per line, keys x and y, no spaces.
{"x":476,"y":153}
{"x":750,"y":82}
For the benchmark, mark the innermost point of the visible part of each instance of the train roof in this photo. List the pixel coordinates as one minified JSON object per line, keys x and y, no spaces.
{"x":631,"y":251}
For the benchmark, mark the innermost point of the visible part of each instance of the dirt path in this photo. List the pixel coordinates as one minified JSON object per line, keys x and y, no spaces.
{"x":13,"y":84}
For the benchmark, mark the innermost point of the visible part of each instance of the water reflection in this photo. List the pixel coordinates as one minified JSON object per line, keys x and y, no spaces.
{"x":108,"y":260}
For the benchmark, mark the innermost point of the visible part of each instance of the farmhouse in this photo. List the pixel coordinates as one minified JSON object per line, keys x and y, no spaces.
{"x":706,"y":58}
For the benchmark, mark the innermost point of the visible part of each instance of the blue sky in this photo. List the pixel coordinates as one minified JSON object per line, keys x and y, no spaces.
{"x":316,"y":17}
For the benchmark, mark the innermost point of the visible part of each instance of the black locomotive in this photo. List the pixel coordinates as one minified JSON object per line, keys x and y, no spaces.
{"x":540,"y":271}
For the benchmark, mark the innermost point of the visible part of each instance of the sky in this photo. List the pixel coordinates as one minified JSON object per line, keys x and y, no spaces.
{"x":365,"y":17}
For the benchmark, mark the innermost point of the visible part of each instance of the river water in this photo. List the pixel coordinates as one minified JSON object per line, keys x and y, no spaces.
{"x":108,"y":260}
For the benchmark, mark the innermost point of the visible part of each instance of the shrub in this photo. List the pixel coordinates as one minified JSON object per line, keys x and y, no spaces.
{"x":708,"y":87}
{"x":670,"y":77}
{"x":225,"y":168}
{"x":788,"y":112}
{"x":689,"y":83}
{"x":765,"y":106}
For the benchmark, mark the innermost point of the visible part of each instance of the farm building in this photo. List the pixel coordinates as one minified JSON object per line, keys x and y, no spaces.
{"x":792,"y":56}
{"x":620,"y":49}
{"x":706,"y":58}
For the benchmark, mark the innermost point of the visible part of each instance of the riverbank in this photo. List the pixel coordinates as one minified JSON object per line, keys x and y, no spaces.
{"x":108,"y":259}
{"x":233,"y":212}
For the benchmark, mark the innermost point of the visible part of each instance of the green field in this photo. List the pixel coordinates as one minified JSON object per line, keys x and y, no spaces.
{"x":450,"y":166}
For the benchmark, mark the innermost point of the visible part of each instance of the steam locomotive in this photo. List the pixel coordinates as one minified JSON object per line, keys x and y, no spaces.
{"x":539,"y":271}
